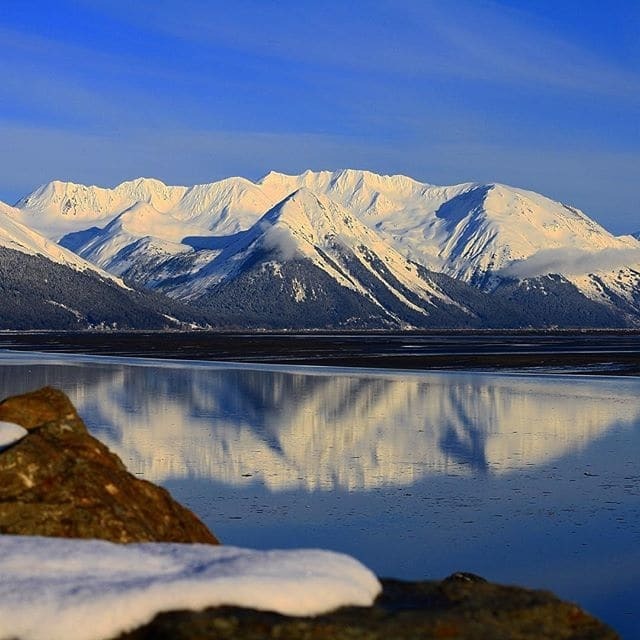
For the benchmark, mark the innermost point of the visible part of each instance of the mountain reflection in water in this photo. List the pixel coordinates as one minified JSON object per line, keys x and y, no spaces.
{"x":312,"y":430}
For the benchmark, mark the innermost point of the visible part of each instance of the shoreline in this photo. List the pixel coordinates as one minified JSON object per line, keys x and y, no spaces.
{"x":572,"y":353}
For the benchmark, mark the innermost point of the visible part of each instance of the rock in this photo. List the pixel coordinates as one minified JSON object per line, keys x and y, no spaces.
{"x":463,"y":606}
{"x":60,"y":481}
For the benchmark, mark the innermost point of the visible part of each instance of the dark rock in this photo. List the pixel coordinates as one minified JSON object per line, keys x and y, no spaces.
{"x":61,"y":481}
{"x":463,"y":606}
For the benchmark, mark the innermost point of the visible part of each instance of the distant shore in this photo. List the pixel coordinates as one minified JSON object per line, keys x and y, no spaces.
{"x":569,"y":352}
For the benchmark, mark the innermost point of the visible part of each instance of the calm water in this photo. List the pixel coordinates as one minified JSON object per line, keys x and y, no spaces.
{"x":523,"y":479}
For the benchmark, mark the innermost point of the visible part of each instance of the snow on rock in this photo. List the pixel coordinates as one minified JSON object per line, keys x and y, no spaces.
{"x":224,"y":207}
{"x":59,"y":589}
{"x":10,"y":433}
{"x":221,"y":207}
{"x":363,"y":192}
{"x":105,"y":247}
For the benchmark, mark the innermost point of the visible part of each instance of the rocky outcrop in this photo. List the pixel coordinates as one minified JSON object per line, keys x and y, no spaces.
{"x":61,"y":481}
{"x":462,"y":606}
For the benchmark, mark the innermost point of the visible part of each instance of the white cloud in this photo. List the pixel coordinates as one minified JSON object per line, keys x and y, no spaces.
{"x":468,"y":40}
{"x":280,"y":240}
{"x":572,"y":262}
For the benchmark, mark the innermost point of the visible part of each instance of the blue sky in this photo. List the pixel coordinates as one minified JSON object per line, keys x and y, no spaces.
{"x":539,"y":94}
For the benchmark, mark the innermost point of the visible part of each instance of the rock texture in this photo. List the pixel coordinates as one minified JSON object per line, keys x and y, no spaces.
{"x":61,"y":481}
{"x":463,"y":607}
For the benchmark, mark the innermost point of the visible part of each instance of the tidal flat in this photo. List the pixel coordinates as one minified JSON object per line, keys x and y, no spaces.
{"x":588,"y":352}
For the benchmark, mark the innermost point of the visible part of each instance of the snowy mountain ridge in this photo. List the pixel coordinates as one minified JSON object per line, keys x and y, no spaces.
{"x":313,"y":227}
{"x":58,"y":208}
{"x":189,"y":240}
{"x":14,"y":235}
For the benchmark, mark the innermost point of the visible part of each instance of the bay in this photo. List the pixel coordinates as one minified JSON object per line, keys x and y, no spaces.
{"x":532,"y":480}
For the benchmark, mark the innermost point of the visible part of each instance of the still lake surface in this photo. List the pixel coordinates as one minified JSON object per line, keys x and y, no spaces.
{"x":533,"y":480}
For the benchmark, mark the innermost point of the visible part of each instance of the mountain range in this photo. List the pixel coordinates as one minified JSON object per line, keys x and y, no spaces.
{"x":346,"y":249}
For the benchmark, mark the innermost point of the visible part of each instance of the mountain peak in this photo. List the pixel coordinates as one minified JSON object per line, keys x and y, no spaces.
{"x":301,"y":210}
{"x":366,"y":232}
{"x":275,"y":176}
{"x":142,"y":183}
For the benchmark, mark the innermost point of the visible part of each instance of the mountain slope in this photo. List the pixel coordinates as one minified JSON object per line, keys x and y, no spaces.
{"x":468,"y":231}
{"x":37,"y":293}
{"x":43,"y":285}
{"x":487,"y":234}
{"x":14,"y":235}
{"x":380,"y":239}
{"x":308,"y":263}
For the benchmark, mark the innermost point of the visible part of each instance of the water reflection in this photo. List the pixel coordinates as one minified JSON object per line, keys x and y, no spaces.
{"x":321,"y":431}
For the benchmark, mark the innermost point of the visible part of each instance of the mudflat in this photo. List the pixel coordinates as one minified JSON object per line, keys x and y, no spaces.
{"x":578,"y":352}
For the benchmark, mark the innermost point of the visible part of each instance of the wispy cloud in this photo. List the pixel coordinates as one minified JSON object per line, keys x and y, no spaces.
{"x":48,"y":80}
{"x":465,"y":39}
{"x":492,"y":43}
{"x":572,"y":262}
{"x":191,"y":90}
{"x":280,"y":240}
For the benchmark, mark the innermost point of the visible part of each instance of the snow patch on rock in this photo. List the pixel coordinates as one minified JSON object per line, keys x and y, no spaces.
{"x":10,"y":433}
{"x":55,"y":589}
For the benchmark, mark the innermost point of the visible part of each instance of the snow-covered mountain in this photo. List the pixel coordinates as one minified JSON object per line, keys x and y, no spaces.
{"x":483,"y":234}
{"x":466,"y":230}
{"x":312,"y":259}
{"x":58,"y":207}
{"x":16,"y":236}
{"x":219,"y":208}
{"x":379,"y":239}
{"x":44,"y":285}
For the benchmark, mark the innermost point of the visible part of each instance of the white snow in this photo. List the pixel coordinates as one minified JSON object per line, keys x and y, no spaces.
{"x":58,"y":207}
{"x":467,"y":230}
{"x":59,"y":589}
{"x":14,"y":235}
{"x":10,"y":433}
{"x":299,"y":292}
{"x":73,"y":312}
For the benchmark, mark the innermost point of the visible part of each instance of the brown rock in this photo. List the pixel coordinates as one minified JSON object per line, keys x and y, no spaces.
{"x":461,"y":607}
{"x":61,"y":481}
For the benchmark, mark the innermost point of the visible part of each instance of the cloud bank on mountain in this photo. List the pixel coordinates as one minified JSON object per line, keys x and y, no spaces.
{"x":571,"y":261}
